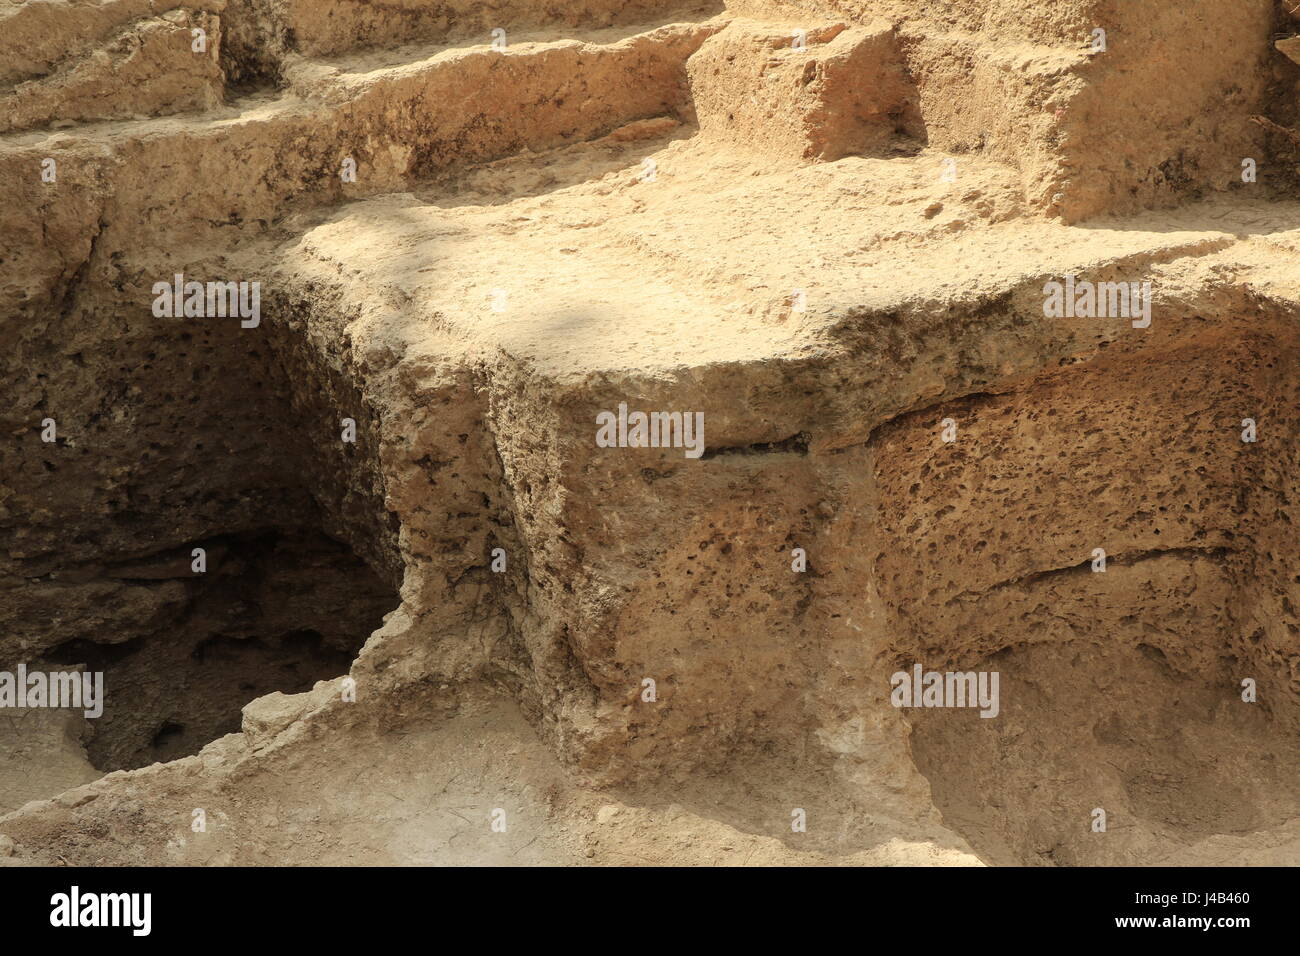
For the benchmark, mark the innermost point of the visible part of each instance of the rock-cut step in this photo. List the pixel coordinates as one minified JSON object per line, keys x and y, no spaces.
{"x":152,"y":66}
{"x":332,"y":27}
{"x":341,"y":130}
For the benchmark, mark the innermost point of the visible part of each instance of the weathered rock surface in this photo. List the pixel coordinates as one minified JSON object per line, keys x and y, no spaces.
{"x":830,"y":228}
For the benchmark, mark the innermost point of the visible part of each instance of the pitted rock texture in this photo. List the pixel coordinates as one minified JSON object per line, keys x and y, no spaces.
{"x":358,"y":572}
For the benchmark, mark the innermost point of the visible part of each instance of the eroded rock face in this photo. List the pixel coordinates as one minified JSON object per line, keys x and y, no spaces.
{"x":1124,"y":678}
{"x":822,"y":93}
{"x":380,"y":514}
{"x":153,"y":66}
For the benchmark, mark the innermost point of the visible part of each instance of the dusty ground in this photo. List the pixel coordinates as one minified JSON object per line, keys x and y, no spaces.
{"x":829,"y":227}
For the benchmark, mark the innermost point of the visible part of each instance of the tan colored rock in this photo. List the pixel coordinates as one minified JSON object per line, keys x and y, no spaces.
{"x":321,"y":28}
{"x":148,"y":68}
{"x":669,"y":652}
{"x":1291,"y":47}
{"x":819,"y":93}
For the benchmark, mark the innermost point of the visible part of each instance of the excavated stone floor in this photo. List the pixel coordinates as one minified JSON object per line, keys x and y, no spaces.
{"x":439,"y":621}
